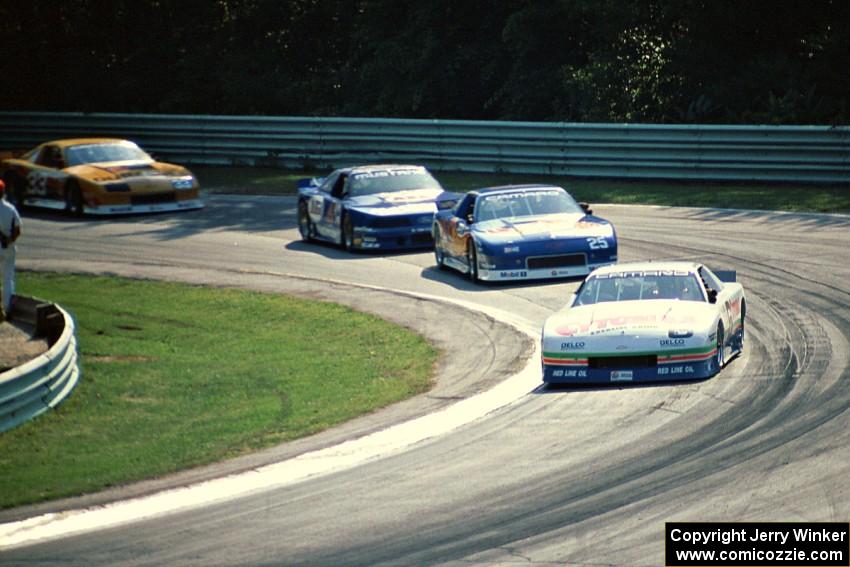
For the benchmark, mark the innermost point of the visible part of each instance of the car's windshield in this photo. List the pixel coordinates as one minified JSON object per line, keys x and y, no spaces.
{"x":100,"y":153}
{"x":630,"y":286}
{"x":390,"y":181}
{"x":525,"y":204}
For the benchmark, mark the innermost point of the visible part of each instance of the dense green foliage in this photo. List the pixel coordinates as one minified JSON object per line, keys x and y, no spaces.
{"x":664,"y":61}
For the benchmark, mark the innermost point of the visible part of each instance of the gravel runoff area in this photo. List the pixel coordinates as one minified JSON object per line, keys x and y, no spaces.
{"x":17,"y":344}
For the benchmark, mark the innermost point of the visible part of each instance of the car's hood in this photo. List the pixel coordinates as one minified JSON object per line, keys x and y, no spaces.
{"x":646,"y":317}
{"x":545,"y":227}
{"x":126,"y":169}
{"x":414,"y":201}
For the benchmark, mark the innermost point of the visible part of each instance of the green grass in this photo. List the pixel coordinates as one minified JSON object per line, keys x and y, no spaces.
{"x":175,"y":376}
{"x":784,"y":197}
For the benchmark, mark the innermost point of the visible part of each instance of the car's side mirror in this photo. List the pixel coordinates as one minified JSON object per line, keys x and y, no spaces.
{"x":586,"y":208}
{"x":462,"y":228}
{"x":712,"y":296}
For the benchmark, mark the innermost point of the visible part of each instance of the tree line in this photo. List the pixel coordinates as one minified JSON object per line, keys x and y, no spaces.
{"x":652,"y":61}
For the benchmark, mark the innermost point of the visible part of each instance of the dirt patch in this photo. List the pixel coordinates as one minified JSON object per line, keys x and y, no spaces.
{"x":17,"y":345}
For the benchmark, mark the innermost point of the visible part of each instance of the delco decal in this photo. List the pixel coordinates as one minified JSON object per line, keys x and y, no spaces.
{"x":614,"y":322}
{"x":577,"y":345}
{"x":671,"y":342}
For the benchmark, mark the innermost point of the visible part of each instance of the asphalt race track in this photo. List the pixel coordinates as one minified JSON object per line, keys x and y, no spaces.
{"x":559,"y":477}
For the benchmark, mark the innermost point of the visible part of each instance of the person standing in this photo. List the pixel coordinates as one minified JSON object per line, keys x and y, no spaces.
{"x":10,"y":230}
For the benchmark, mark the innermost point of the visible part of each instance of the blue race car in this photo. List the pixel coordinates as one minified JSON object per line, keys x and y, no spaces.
{"x":371,"y":207}
{"x":520,"y":232}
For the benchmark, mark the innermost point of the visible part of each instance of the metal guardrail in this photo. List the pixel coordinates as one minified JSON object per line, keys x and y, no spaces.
{"x":45,"y":381}
{"x":811,"y":154}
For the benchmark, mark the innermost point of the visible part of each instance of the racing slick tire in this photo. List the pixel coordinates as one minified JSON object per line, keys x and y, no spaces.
{"x":347,"y":233}
{"x":74,"y":199}
{"x":739,"y":336}
{"x":439,"y":254}
{"x":305,"y":226}
{"x":720,"y":357}
{"x":472,"y":260}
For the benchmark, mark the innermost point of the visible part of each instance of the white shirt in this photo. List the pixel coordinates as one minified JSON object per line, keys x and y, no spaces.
{"x":9,"y":217}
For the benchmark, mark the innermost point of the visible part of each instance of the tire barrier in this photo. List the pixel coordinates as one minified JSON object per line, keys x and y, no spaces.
{"x":45,"y":381}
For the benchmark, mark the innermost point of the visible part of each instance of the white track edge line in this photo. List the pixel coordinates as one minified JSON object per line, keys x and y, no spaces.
{"x":321,"y":462}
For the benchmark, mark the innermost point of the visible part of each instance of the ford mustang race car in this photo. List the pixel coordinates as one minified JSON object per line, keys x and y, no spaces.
{"x":98,"y":176}
{"x":370,"y":207}
{"x":646,"y":321}
{"x":520,"y":232}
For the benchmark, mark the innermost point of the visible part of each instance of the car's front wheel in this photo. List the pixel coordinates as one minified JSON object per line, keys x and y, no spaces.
{"x":74,"y":199}
{"x":347,"y":236}
{"x":740,"y":339}
{"x":720,"y":357}
{"x":472,"y":260}
{"x":439,"y":253}
{"x":305,"y":225}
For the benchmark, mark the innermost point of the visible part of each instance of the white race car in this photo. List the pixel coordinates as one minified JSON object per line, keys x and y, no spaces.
{"x":647,"y":321}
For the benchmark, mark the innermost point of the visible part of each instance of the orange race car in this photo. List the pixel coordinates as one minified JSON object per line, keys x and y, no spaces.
{"x":98,"y":176}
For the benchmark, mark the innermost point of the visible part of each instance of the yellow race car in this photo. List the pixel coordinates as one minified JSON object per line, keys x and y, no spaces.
{"x":98,"y":176}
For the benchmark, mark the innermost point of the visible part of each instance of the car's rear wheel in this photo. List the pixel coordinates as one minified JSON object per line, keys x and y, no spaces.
{"x":74,"y":199}
{"x":472,"y":259}
{"x":720,"y":356}
{"x":439,"y":254}
{"x":347,"y":236}
{"x":305,"y":225}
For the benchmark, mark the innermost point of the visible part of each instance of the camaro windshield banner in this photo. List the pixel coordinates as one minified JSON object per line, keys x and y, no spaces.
{"x":762,"y":544}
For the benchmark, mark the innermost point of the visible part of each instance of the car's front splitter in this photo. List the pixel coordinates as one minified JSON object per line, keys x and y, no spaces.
{"x":577,"y":371}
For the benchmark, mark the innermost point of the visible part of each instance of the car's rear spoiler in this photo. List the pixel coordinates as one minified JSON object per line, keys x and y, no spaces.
{"x":447,"y":200}
{"x":727,"y":276}
{"x":310,"y":182}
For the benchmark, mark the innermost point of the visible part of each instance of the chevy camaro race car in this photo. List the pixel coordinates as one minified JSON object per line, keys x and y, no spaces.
{"x":520,"y":232}
{"x":646,"y":321}
{"x":370,"y":207}
{"x":98,"y":176}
